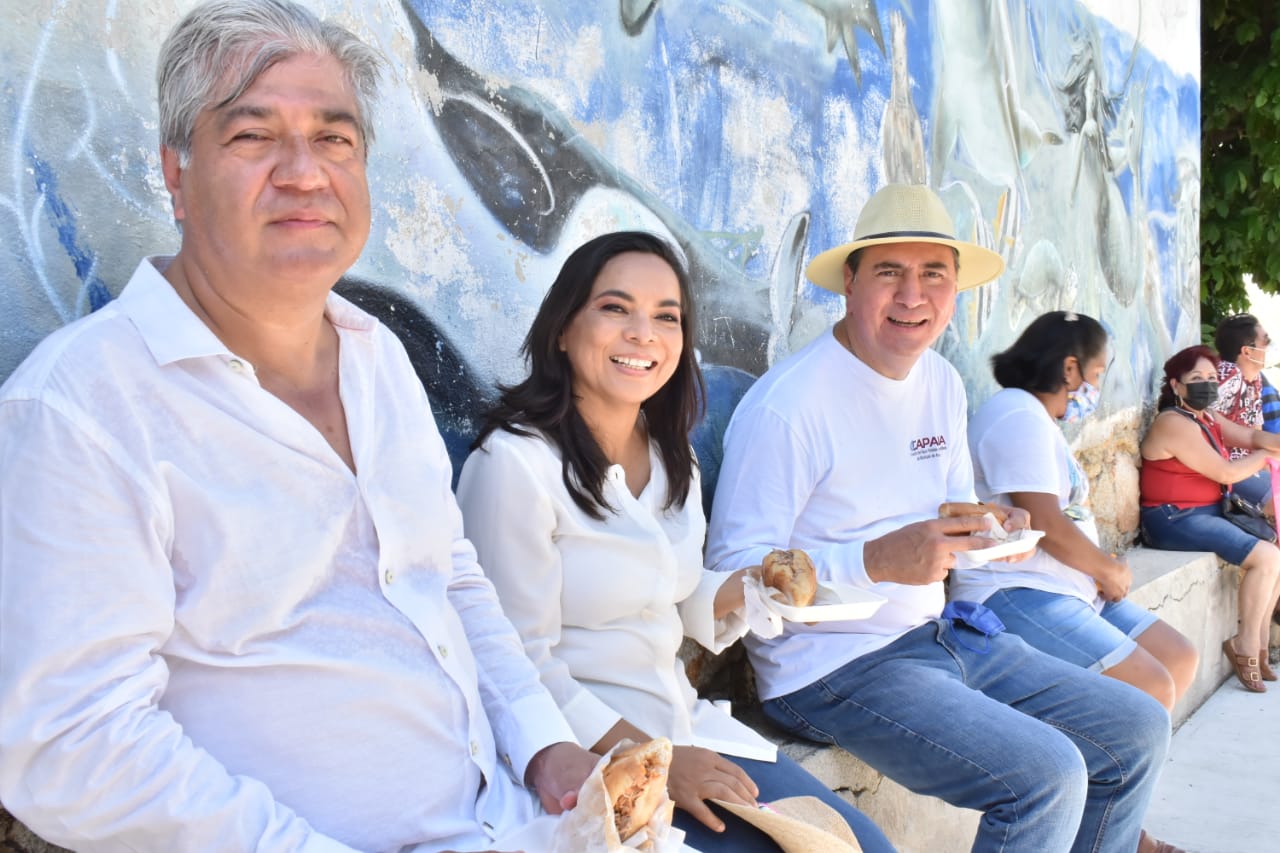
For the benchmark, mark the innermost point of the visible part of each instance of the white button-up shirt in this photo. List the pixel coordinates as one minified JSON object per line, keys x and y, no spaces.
{"x":215,"y":636}
{"x":603,"y":605}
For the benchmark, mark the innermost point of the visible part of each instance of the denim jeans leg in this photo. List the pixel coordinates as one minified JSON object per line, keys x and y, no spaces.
{"x":907,"y":712}
{"x":1121,"y":732}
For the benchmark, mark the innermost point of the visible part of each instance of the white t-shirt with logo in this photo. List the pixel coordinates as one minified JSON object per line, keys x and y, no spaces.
{"x":824,"y":454}
{"x":1018,"y":447}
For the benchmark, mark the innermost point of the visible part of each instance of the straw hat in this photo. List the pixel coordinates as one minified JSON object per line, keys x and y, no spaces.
{"x":906,"y":213}
{"x":799,"y":825}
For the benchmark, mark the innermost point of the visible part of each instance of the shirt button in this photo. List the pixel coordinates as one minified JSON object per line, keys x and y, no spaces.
{"x":237,"y":365}
{"x":507,"y":758}
{"x":443,"y":649}
{"x":475,"y":749}
{"x":389,"y":576}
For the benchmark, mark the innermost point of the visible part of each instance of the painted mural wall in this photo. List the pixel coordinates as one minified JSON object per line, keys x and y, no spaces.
{"x":748,"y":131}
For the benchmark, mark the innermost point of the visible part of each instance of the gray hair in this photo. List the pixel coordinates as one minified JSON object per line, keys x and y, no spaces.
{"x":221,"y":47}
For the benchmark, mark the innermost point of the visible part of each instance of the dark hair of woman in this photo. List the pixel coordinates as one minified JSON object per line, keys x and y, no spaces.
{"x":544,"y":404}
{"x":1034,"y":361}
{"x":1179,"y":364}
{"x":1234,"y":334}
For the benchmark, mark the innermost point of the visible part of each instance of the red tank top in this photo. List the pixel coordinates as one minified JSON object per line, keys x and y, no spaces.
{"x":1168,"y":481}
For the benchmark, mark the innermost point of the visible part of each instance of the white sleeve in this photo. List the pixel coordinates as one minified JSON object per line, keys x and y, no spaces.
{"x":524,"y":716}
{"x":697,"y":613}
{"x":1017,"y":454}
{"x":510,"y":518}
{"x":766,"y":478}
{"x":87,"y":600}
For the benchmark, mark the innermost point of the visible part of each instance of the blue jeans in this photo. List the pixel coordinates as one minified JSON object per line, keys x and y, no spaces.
{"x":776,"y":780}
{"x":1197,"y":528}
{"x":1070,"y":629}
{"x":1256,"y":488}
{"x":1055,"y":757}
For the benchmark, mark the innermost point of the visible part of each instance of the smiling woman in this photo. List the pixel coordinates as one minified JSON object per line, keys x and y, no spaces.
{"x":577,"y":501}
{"x":611,"y":367}
{"x":624,"y":343}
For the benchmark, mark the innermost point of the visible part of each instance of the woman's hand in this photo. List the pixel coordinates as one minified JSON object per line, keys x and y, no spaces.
{"x":731,"y":596}
{"x":698,"y":774}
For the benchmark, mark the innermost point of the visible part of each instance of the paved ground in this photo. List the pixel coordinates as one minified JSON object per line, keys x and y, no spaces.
{"x":1220,"y":792}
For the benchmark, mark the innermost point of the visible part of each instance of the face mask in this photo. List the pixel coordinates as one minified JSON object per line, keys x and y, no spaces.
{"x":1200,"y":395}
{"x":1081,"y":403}
{"x":1268,"y":355}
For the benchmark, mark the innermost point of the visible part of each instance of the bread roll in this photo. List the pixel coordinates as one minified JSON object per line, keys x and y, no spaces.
{"x":791,"y":573}
{"x":954,"y":509}
{"x":636,"y":783}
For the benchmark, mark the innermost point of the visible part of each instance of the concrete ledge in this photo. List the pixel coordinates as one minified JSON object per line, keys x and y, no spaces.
{"x":1194,"y":592}
{"x":915,"y":823}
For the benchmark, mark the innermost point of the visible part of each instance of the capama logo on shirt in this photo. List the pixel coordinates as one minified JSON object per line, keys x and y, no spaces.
{"x":928,"y":447}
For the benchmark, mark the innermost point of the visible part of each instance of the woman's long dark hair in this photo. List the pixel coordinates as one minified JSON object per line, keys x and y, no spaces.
{"x":1034,"y":362}
{"x":1183,"y":361}
{"x":543,"y":403}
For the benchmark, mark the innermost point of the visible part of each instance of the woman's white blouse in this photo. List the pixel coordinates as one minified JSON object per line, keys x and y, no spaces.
{"x":602,"y":606}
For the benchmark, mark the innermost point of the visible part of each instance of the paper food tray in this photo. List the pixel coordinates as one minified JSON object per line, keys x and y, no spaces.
{"x":834,"y":602}
{"x":1019,"y":542}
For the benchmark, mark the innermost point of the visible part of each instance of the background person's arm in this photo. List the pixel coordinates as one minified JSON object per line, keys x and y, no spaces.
{"x":1067,"y":544}
{"x":1177,"y":436}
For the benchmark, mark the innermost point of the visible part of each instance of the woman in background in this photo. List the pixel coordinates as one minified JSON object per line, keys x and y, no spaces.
{"x":1068,"y":598}
{"x":1185,"y":465}
{"x":581,"y":500}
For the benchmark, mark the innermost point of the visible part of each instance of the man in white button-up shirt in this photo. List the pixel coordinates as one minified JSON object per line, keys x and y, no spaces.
{"x":237,"y":611}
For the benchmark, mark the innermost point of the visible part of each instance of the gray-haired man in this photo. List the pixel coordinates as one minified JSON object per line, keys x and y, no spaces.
{"x":236,"y":608}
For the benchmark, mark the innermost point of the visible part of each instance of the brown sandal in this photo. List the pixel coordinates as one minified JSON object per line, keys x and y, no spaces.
{"x":1245,"y":667}
{"x":1147,"y":844}
{"x":1264,"y":666}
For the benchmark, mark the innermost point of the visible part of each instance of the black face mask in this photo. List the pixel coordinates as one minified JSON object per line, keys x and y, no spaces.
{"x":1200,"y":395}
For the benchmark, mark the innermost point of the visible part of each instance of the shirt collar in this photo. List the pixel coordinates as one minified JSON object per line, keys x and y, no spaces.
{"x":173,"y":332}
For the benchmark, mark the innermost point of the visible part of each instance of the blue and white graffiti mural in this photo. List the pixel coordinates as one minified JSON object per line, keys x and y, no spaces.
{"x":748,"y":131}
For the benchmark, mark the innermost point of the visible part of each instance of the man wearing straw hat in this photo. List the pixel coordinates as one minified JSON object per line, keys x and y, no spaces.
{"x":847,"y":450}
